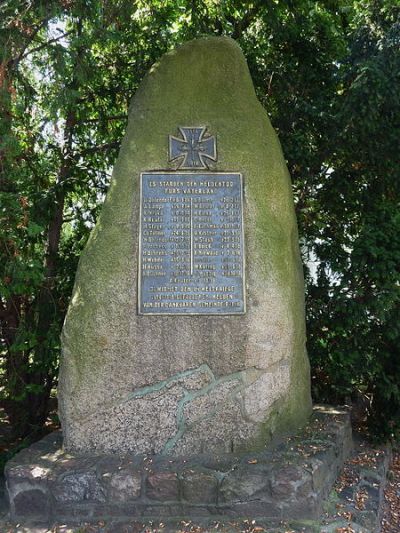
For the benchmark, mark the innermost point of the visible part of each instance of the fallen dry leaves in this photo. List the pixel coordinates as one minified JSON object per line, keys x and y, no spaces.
{"x":347,"y":478}
{"x":391,"y":518}
{"x":360,"y":497}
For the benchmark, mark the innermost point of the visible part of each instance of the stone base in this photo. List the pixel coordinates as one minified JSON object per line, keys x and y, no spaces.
{"x":291,"y":480}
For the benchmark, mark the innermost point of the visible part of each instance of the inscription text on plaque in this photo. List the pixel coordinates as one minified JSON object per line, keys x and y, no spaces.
{"x":191,"y":258}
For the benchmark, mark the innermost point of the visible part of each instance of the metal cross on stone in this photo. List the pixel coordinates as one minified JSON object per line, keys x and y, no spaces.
{"x":194,"y":148}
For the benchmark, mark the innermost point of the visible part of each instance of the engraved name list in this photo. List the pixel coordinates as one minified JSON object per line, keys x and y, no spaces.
{"x":191,"y":243}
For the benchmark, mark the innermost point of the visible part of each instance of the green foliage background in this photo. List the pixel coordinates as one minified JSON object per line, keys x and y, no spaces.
{"x":328,"y":73}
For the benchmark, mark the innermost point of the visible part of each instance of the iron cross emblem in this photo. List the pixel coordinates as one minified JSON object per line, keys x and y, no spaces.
{"x":194,"y":149}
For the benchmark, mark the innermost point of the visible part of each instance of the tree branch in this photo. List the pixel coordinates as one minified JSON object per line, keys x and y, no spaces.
{"x":240,"y":26}
{"x":14,"y":62}
{"x":98,"y":148}
{"x":114,"y":117}
{"x":44,"y":45}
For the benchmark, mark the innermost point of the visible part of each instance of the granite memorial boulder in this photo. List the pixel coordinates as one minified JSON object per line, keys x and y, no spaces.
{"x":186,"y":330}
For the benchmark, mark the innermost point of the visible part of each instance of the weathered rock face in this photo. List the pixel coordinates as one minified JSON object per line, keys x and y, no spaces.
{"x":184,"y":384}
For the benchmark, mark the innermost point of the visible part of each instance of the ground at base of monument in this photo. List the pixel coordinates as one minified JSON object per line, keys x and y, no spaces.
{"x":344,"y":500}
{"x":290,"y":481}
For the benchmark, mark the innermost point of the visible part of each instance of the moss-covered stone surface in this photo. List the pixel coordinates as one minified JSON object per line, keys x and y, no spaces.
{"x":186,"y":384}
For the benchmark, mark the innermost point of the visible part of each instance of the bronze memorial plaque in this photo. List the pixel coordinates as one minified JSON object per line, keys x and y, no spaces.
{"x":191,"y":257}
